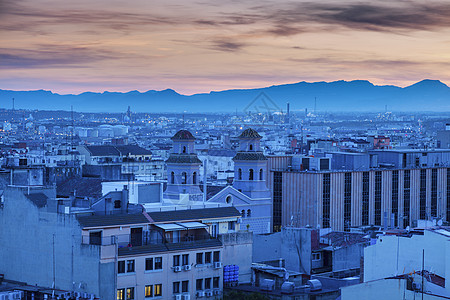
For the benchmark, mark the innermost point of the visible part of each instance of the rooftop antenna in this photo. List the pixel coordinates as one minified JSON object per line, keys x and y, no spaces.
{"x":13,"y":103}
{"x":71,"y":134}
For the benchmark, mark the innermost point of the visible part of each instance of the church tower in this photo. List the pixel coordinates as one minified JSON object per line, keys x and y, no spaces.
{"x":250,"y":166}
{"x":183,"y":169}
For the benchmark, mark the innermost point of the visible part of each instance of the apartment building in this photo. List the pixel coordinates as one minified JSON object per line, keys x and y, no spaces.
{"x":118,"y":253}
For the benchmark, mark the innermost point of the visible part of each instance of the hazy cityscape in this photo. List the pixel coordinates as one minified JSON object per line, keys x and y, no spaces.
{"x":241,"y":150}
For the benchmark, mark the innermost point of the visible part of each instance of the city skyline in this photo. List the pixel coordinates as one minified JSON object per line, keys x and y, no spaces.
{"x":195,"y":47}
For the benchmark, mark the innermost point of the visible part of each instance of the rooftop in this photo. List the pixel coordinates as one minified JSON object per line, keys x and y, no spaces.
{"x":194,"y":214}
{"x":112,"y":220}
{"x":163,"y":247}
{"x":183,"y":135}
{"x":250,"y":134}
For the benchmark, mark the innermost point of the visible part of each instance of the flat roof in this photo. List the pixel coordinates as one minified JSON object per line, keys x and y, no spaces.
{"x":193,"y":225}
{"x":170,"y":227}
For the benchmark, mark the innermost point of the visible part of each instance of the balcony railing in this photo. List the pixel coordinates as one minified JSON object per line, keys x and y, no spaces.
{"x":126,"y":240}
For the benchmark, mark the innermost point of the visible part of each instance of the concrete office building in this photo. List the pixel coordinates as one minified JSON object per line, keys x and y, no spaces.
{"x":395,"y":197}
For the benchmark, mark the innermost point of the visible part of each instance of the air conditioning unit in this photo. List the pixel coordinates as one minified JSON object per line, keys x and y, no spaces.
{"x":216,"y":292}
{"x":187,"y":267}
{"x":186,"y":297}
{"x":217,"y":264}
{"x":177,"y":269}
{"x":178,"y":297}
{"x":209,"y":293}
{"x":200,"y":294}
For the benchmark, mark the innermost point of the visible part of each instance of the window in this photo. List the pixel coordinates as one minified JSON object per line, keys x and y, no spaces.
{"x":250,"y":147}
{"x":207,"y":283}
{"x":434,"y":192}
{"x":277,"y":200}
{"x":121,"y":266}
{"x":117,"y":203}
{"x":130,"y":266}
{"x":95,"y":237}
{"x":394,"y":198}
{"x":158,"y":290}
{"x":216,"y":256}
{"x":185,"y":259}
{"x":185,"y":286}
{"x":176,"y":260}
{"x":365,"y":198}
{"x":158,"y":263}
{"x":243,"y":213}
{"x":172,"y":177}
{"x":249,"y":213}
{"x":216,"y":282}
{"x":130,"y":293}
{"x":148,"y":291}
{"x":199,"y":284}
{"x":229,"y":199}
{"x":260,"y":174}
{"x":377,"y":197}
{"x":183,"y":178}
{"x":207,"y":257}
{"x":250,"y":174}
{"x":194,"y":178}
{"x":423,"y":195}
{"x":240,"y":174}
{"x":176,"y":287}
{"x":231,"y":226}
{"x":148,"y":264}
{"x":199,"y":258}
{"x":121,"y":294}
{"x":347,"y":201}
{"x":316,"y":256}
{"x":184,"y":149}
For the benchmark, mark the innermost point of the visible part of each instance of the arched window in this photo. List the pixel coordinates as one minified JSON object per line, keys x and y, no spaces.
{"x":172,"y":178}
{"x":229,"y":199}
{"x":183,"y":178}
{"x":249,"y":213}
{"x":240,"y":174}
{"x":251,"y":147}
{"x":260,"y":174}
{"x":184,"y":149}
{"x":250,"y":174}
{"x":243,"y":213}
{"x":194,"y":178}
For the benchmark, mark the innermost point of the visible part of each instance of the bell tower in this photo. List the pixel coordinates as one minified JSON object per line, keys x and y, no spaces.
{"x":250,"y":166}
{"x":183,"y":168}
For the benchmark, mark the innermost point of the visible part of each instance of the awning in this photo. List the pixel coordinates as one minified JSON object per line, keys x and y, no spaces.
{"x":170,"y":227}
{"x":193,"y":225}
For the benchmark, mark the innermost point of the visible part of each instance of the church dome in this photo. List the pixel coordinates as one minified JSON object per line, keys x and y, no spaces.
{"x":183,"y":135}
{"x":250,"y":134}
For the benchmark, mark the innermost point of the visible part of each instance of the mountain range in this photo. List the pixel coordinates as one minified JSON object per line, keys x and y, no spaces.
{"x":337,"y":96}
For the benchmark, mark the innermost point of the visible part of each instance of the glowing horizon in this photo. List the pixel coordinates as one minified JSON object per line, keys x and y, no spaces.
{"x":198,"y":47}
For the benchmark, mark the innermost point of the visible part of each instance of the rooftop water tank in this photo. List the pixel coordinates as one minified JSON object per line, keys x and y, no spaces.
{"x":314,"y":285}
{"x":287,"y":287}
{"x":267,"y":285}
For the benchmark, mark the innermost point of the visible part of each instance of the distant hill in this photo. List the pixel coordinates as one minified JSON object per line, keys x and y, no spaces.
{"x":358,"y":95}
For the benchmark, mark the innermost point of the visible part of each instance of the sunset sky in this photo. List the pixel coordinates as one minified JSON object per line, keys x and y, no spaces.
{"x":198,"y":46}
